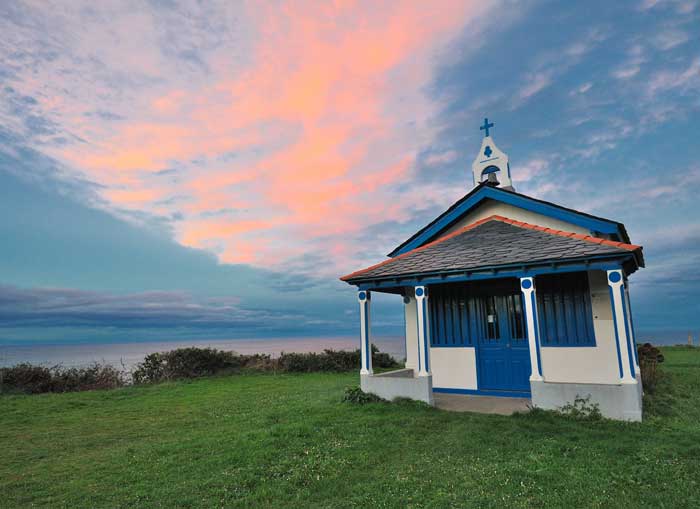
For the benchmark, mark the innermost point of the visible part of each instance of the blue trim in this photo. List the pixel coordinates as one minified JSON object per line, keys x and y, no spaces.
{"x":569,"y":216}
{"x":483,"y":392}
{"x":516,"y":271}
{"x":418,"y":339}
{"x":368,"y":352}
{"x":426,"y":339}
{"x":587,"y":345}
{"x":634,"y":336}
{"x":617,"y":338}
{"x":537,"y":332}
{"x":453,"y":346}
{"x":630,"y":355}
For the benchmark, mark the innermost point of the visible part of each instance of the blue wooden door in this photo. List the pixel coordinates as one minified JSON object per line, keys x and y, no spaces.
{"x":504,"y":359}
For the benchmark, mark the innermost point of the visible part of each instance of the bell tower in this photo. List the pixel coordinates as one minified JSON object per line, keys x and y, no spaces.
{"x":491,"y":164}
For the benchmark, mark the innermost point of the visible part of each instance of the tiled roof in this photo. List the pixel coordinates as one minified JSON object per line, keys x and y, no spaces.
{"x":491,"y":242}
{"x":500,"y":194}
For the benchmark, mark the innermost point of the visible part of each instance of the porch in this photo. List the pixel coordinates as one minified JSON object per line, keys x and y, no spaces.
{"x":500,"y":345}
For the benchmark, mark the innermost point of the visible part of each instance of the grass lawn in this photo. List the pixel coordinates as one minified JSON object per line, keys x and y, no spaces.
{"x":288,"y":441}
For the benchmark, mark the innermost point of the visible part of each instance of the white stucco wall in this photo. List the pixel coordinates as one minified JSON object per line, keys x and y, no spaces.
{"x":587,"y":364}
{"x":490,"y":208}
{"x":411,"y":334}
{"x":453,"y":368}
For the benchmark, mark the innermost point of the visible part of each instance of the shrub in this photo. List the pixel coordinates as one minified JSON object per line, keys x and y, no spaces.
{"x":194,"y":363}
{"x":30,"y":379}
{"x":332,"y":361}
{"x":357,"y":396}
{"x":25,"y":378}
{"x":649,"y":358}
{"x":382,"y":359}
{"x":181,"y":363}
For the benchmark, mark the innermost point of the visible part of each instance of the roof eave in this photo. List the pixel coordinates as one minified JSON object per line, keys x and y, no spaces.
{"x":507,"y":270}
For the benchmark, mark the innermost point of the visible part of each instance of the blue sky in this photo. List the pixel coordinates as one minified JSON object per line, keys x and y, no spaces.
{"x":171,"y":171}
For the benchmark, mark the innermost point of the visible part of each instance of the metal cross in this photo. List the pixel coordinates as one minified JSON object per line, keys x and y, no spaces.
{"x":486,"y":127}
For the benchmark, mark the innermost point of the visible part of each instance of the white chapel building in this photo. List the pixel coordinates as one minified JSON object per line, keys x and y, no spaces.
{"x":508,"y":295}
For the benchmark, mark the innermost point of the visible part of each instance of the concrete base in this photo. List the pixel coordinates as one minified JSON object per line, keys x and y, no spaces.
{"x":401,"y":383}
{"x":481,"y":404}
{"x":622,"y":401}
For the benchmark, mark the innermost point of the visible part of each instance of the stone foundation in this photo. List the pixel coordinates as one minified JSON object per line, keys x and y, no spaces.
{"x":620,"y":401}
{"x":401,"y":383}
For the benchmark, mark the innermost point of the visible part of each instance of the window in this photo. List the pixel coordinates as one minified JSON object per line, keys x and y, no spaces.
{"x":491,"y":316}
{"x":564,"y":310}
{"x":452,"y":312}
{"x":469,"y":313}
{"x":515,"y":317}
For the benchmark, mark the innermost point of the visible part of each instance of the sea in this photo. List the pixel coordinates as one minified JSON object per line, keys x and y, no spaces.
{"x":127,"y":355}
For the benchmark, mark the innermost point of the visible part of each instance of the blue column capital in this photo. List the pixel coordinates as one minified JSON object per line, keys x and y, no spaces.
{"x":615,"y":277}
{"x":527,"y":283}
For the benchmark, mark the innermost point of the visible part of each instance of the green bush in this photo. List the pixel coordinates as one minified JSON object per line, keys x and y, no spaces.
{"x":357,"y":396}
{"x":182,"y":363}
{"x":332,"y":361}
{"x":649,"y":358}
{"x":194,"y":363}
{"x":30,"y":379}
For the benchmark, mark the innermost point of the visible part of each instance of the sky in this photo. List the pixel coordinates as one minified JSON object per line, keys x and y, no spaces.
{"x":183,"y":170}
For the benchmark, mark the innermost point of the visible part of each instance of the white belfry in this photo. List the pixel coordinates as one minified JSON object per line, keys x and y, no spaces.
{"x":364,"y":298}
{"x":527,"y":286}
{"x":625,"y":355}
{"x":423,"y":333}
{"x":491,"y":163}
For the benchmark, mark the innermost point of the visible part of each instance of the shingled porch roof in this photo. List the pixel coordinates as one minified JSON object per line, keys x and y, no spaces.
{"x":492,"y":242}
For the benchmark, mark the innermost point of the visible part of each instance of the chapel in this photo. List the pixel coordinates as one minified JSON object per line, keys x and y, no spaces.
{"x":511,"y":296}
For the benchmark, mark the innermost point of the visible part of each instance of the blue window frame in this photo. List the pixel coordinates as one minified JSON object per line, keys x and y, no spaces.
{"x":459,"y":311}
{"x":564,"y":309}
{"x":452,"y":315}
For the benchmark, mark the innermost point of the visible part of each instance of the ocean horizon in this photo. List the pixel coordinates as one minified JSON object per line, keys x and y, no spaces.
{"x":127,"y":354}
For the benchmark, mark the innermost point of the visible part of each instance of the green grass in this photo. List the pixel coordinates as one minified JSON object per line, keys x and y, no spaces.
{"x":288,"y":441}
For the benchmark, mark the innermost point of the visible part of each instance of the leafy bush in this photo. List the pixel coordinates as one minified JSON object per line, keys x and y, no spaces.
{"x":194,"y":363}
{"x":649,"y":358}
{"x":197,"y":362}
{"x":181,"y":363}
{"x":381,"y":359}
{"x":582,"y":409}
{"x":357,"y":396}
{"x":30,"y":379}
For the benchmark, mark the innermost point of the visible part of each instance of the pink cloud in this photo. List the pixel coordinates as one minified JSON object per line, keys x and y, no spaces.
{"x":304,"y":130}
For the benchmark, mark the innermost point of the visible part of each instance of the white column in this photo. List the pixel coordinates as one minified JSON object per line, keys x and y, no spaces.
{"x":630,"y":328}
{"x":625,"y":357}
{"x":364,"y":298}
{"x":527,"y":286}
{"x":421,"y":293}
{"x":411,"y":330}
